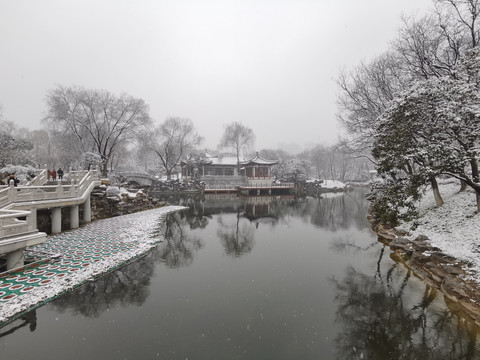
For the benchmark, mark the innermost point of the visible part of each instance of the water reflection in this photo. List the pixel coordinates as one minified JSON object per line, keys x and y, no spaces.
{"x":126,"y":286}
{"x":380,"y":320}
{"x":236,"y":234}
{"x":179,"y":245}
{"x":237,"y":220}
{"x":29,"y":319}
{"x":328,"y":211}
{"x":310,"y":281}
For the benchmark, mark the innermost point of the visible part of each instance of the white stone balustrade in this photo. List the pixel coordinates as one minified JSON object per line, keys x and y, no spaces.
{"x":10,"y":224}
{"x":16,"y":194}
{"x":19,"y":204}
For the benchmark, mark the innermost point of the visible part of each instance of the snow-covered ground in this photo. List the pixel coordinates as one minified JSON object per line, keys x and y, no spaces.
{"x":329,"y":184}
{"x":332,"y":184}
{"x":453,"y":227}
{"x":134,"y":230}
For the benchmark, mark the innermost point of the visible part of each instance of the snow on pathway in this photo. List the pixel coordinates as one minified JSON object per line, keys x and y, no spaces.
{"x":85,"y":254}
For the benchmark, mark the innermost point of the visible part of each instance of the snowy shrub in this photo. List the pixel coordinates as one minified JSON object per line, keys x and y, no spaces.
{"x":394,"y":201}
{"x":90,"y":160}
{"x":293,"y":170}
{"x":22,"y":173}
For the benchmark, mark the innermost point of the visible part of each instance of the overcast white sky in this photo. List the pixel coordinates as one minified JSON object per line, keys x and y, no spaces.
{"x":270,"y":64}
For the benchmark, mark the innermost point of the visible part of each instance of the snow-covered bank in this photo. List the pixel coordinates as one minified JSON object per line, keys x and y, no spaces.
{"x":453,"y":227}
{"x":315,"y":187}
{"x":88,"y":252}
{"x":327,"y":184}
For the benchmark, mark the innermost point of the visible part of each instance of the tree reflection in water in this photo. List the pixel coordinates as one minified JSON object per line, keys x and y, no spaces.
{"x":130,"y":284}
{"x":337,"y":211}
{"x":237,"y":237}
{"x":180,"y":245}
{"x":382,"y":312}
{"x":126,"y":286}
{"x":380,"y":321}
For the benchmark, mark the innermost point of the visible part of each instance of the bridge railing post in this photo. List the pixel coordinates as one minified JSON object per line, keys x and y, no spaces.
{"x":32,"y":218}
{"x":12,"y":192}
{"x":59,"y":190}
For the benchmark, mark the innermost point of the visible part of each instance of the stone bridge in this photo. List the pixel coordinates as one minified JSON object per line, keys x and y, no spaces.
{"x":19,"y":205}
{"x":136,"y":179}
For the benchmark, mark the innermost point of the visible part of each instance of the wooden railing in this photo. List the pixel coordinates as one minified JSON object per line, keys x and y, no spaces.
{"x":268,"y":186}
{"x":213,"y":187}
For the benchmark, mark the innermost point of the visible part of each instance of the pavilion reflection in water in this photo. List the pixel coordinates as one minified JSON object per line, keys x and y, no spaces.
{"x":251,"y":207}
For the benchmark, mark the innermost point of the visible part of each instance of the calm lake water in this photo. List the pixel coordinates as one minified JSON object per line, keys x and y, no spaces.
{"x":252,"y":278}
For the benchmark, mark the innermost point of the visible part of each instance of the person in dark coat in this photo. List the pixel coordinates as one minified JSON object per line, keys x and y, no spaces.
{"x":13,"y":179}
{"x":60,"y":174}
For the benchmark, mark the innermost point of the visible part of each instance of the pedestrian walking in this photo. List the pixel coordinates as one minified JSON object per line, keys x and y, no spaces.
{"x":49,"y":174}
{"x":60,"y":174}
{"x":54,"y":175}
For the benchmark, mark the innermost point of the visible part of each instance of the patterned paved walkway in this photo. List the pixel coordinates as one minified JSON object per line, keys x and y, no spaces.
{"x":84,"y":254}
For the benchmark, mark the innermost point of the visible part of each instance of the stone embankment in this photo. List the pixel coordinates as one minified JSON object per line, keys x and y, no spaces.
{"x":437,"y":269}
{"x":110,"y":202}
{"x":176,"y":186}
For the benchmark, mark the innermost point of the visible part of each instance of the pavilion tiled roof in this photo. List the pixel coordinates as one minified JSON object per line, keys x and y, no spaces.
{"x":231,"y":160}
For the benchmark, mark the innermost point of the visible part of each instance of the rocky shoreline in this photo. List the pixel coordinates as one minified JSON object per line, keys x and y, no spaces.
{"x":437,"y":269}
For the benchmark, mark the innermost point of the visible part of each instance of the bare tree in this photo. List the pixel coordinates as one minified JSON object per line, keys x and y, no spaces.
{"x":426,"y":47}
{"x":237,"y":136}
{"x":43,"y":147}
{"x":433,"y":45}
{"x":365,"y":92}
{"x":171,"y":141}
{"x":464,"y":16}
{"x":99,"y":120}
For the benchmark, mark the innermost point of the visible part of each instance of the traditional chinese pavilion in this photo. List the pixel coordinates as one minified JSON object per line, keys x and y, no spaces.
{"x":222,"y":169}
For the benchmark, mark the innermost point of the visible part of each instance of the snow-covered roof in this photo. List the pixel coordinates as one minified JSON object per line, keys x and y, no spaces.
{"x":259,"y":161}
{"x":231,"y":160}
{"x":209,"y":155}
{"x":224,"y":160}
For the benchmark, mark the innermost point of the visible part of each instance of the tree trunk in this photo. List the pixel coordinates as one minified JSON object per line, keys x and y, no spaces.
{"x":436,"y":191}
{"x":105,"y":169}
{"x":238,"y":162}
{"x":475,"y":177}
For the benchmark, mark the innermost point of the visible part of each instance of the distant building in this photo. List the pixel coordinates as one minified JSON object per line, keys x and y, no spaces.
{"x":222,"y":169}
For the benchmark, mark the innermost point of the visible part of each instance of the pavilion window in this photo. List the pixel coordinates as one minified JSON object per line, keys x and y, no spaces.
{"x":262,"y":172}
{"x":209,"y":171}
